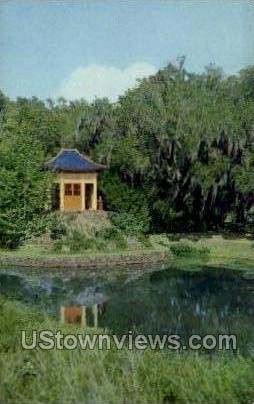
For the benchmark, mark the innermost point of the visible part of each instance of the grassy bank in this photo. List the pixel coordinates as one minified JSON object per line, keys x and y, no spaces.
{"x":219,"y":251}
{"x":222,"y":250}
{"x":112,"y":376}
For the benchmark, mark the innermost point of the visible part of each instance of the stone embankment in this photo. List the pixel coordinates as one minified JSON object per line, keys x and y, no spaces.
{"x":124,"y":259}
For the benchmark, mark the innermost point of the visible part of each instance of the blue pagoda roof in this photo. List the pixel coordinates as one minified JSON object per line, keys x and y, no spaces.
{"x":73,"y":161}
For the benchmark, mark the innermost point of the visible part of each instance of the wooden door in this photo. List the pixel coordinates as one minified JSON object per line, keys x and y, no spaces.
{"x":72,"y":197}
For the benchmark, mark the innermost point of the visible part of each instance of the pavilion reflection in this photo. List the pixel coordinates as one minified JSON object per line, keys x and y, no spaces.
{"x":86,"y":316}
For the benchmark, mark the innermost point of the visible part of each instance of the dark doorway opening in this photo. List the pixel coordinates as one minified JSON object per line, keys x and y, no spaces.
{"x":89,"y":196}
{"x":55,"y":197}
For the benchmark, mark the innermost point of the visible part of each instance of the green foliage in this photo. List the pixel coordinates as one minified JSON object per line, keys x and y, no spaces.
{"x":183,"y":249}
{"x":144,"y":239}
{"x":128,"y":224}
{"x":178,"y":148}
{"x":244,"y":177}
{"x":125,"y":199}
{"x":111,"y":375}
{"x":76,"y":241}
{"x":58,"y":227}
{"x":115,"y":235}
{"x":24,"y":186}
{"x":167,"y":216}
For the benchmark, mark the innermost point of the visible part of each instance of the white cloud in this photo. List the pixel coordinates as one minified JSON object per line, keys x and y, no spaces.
{"x":103,"y":81}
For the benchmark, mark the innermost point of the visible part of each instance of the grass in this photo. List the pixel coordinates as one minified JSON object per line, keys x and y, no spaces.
{"x":235,"y":252}
{"x":220,"y":251}
{"x":112,"y":376}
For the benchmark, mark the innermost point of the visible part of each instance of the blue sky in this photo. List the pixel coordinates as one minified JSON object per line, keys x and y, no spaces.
{"x":81,"y":48}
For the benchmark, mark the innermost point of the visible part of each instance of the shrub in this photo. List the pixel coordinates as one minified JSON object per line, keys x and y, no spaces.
{"x":75,"y":242}
{"x":114,"y":235}
{"x":128,"y":223}
{"x":58,"y":228}
{"x":142,"y":238}
{"x":183,"y":249}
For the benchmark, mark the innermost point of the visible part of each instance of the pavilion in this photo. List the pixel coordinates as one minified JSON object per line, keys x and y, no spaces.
{"x":76,"y":180}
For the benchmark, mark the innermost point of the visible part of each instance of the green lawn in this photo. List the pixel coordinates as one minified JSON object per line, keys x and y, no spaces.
{"x":235,"y":251}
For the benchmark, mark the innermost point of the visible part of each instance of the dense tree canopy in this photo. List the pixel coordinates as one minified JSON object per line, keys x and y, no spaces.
{"x":179,"y":150}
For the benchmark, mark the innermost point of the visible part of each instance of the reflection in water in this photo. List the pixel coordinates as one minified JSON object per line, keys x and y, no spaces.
{"x":86,"y":316}
{"x":173,"y":301}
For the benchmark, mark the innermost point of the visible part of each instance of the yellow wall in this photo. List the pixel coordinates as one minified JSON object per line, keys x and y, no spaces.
{"x":78,"y":178}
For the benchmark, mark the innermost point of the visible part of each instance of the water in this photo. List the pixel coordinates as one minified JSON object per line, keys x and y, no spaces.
{"x":172,"y":301}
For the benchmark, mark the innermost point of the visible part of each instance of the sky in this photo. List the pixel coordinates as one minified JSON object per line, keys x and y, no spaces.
{"x":97,"y":48}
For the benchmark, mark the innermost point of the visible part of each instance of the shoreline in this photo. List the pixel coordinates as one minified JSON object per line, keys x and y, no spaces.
{"x":237,"y":253}
{"x":141,"y":259}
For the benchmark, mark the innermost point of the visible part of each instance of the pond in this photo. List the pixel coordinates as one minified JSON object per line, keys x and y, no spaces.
{"x":168,"y":301}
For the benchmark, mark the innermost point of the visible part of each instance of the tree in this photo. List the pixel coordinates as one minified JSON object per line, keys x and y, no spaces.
{"x":24,"y":184}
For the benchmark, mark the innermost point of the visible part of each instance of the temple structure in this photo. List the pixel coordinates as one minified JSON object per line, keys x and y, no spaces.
{"x":76,"y":180}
